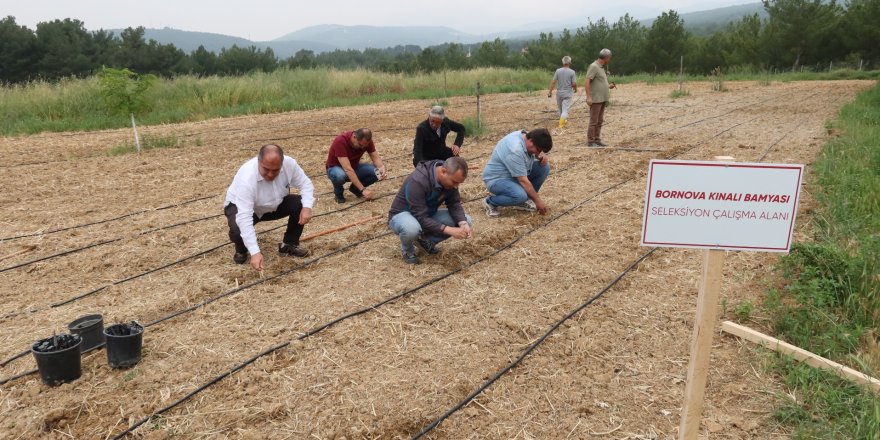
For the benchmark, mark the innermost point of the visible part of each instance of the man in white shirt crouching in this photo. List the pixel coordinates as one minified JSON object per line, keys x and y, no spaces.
{"x":259,"y":192}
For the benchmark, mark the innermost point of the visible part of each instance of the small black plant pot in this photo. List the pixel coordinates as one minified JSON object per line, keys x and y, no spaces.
{"x":124,"y":343}
{"x":58,"y":358}
{"x":91,"y":329}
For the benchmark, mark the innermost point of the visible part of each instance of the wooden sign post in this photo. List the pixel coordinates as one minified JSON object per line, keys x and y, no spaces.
{"x":701,"y":339}
{"x":716,"y":206}
{"x":701,"y":344}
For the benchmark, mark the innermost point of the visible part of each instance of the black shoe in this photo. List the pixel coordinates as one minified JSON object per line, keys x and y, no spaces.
{"x":411,"y":258}
{"x":357,"y":193}
{"x":292,"y":249}
{"x":428,"y":246}
{"x":339,"y":199}
{"x":240,"y":257}
{"x":601,"y":144}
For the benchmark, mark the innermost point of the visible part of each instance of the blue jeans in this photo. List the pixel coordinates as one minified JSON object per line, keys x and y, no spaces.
{"x":508,"y":192}
{"x":366,"y":174}
{"x":408,"y":228}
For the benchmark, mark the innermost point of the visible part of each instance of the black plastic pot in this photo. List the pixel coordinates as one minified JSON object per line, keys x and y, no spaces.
{"x":58,"y":358}
{"x":91,"y":329}
{"x":124,"y":343}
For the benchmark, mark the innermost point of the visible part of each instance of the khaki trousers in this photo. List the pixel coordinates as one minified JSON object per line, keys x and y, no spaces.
{"x":597,"y":115}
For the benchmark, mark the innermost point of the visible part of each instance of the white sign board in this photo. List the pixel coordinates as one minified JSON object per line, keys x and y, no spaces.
{"x":721,"y":205}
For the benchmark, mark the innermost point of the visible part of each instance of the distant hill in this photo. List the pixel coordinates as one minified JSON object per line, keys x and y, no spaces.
{"x":707,"y":22}
{"x":700,"y":22}
{"x":329,"y":37}
{"x":362,"y":37}
{"x":189,"y":41}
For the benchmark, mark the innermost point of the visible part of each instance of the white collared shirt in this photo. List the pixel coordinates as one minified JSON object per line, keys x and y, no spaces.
{"x":253,"y":194}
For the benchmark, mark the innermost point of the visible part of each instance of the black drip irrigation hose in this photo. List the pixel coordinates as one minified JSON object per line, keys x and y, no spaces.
{"x":362,"y":311}
{"x":165,"y":266}
{"x":367,"y":309}
{"x":150,"y":231}
{"x":218,"y":297}
{"x":714,"y":116}
{"x":60,"y":254}
{"x":785,"y":135}
{"x":124,"y":216}
{"x":531,"y":347}
{"x":206,"y":302}
{"x":217,"y":247}
{"x":733,"y":101}
{"x":300,"y":123}
{"x":98,"y":222}
{"x":510,"y":366}
{"x":20,"y":375}
{"x":89,"y":293}
{"x":507,"y":368}
{"x":265,"y":280}
{"x":144,"y":211}
{"x":24,"y":164}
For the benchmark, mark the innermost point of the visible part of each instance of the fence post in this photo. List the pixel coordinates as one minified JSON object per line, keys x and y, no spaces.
{"x":830,"y":65}
{"x":860,"y":64}
{"x":445,"y":85}
{"x":137,"y":140}
{"x":479,"y":122}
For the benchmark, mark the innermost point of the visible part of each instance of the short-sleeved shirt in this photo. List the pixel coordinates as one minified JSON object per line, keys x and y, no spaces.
{"x":564,"y":78}
{"x":341,"y":147}
{"x":509,"y":160}
{"x":598,"y":83}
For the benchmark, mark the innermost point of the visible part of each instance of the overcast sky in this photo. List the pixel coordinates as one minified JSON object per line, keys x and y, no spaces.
{"x":262,"y":20}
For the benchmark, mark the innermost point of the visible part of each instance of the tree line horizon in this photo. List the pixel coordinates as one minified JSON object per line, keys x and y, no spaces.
{"x":797,"y":34}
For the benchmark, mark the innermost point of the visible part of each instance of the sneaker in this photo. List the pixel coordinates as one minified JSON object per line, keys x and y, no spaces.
{"x":491,"y":211}
{"x":594,"y":145}
{"x":428,"y":246}
{"x":292,"y":249}
{"x":357,"y":193}
{"x":339,"y":199}
{"x":240,"y":257}
{"x":601,"y":144}
{"x":411,"y":258}
{"x":528,"y":205}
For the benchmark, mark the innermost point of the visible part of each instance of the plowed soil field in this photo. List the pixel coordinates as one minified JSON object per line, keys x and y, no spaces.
{"x":141,"y":237}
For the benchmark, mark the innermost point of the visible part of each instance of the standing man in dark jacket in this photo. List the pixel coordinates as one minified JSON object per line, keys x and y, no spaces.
{"x":415,"y":215}
{"x":430,"y":141}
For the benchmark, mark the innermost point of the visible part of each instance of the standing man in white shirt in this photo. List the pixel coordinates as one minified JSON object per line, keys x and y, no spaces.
{"x":565,"y":83}
{"x":259,"y":192}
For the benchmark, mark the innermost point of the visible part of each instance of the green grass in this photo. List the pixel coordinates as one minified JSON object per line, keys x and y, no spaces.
{"x":149,"y":143}
{"x":753,"y":75}
{"x":830,"y":303}
{"x":76,"y":104}
{"x":679,"y":93}
{"x":744,"y":310}
{"x":471,"y":128}
{"x":827,"y":407}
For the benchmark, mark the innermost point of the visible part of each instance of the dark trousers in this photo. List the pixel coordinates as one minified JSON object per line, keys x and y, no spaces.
{"x":290,"y":207}
{"x":442,"y":154}
{"x":597,"y":116}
